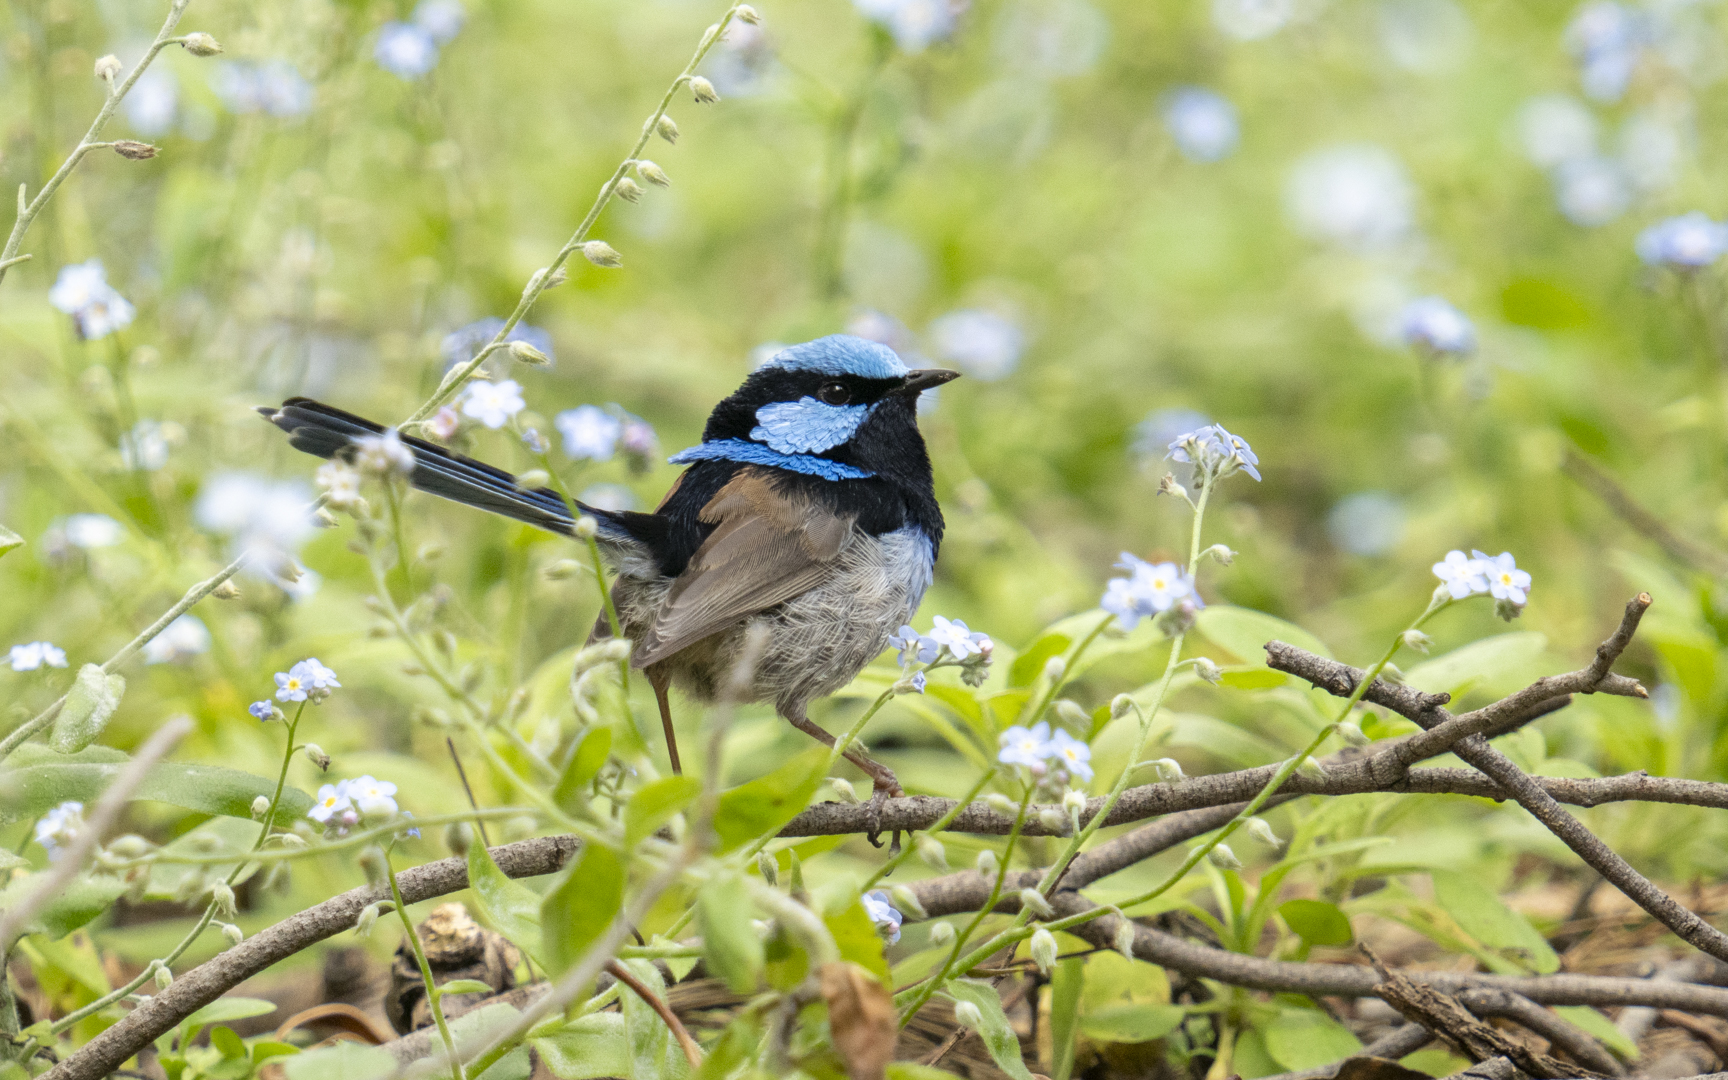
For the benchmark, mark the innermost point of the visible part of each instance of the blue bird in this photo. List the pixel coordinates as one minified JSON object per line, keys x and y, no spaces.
{"x":807,"y":510}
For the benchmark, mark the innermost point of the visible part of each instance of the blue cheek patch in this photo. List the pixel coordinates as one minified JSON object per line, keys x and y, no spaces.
{"x":754,"y":453}
{"x":807,"y":426}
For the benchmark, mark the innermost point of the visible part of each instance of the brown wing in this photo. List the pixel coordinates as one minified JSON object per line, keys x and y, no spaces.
{"x":765,"y":549}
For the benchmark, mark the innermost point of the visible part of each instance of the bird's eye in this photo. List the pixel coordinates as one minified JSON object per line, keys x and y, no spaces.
{"x":833,"y":394}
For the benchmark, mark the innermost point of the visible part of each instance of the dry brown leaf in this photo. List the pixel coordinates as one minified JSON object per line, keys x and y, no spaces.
{"x":860,"y":1018}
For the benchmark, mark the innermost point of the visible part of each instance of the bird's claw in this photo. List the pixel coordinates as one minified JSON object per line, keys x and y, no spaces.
{"x":885,"y":788}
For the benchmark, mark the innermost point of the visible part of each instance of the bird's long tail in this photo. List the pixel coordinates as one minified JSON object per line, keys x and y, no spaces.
{"x":327,"y":432}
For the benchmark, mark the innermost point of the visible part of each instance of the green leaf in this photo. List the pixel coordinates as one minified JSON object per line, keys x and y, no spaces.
{"x":89,"y":705}
{"x":1308,"y":1039}
{"x":11,"y":861}
{"x":1317,"y":922}
{"x":1132,"y":1023}
{"x":587,"y":1047}
{"x":580,"y":907}
{"x":468,"y":986}
{"x":1599,"y":1027}
{"x":653,"y":1052}
{"x":1481,"y":914}
{"x":1065,"y":986}
{"x":265,"y":1049}
{"x":1491,"y":661}
{"x":1254,"y":679}
{"x":225,"y":1009}
{"x":77,"y":903}
{"x":42,"y":780}
{"x":911,"y":1070}
{"x":511,"y":907}
{"x":1245,"y":632}
{"x":224,"y":1039}
{"x":654,"y":805}
{"x":9,"y":540}
{"x":344,"y":1061}
{"x":1030,"y":664}
{"x":729,"y":942}
{"x":856,"y":937}
{"x":999,"y":1037}
{"x":761,"y":806}
{"x":585,"y":764}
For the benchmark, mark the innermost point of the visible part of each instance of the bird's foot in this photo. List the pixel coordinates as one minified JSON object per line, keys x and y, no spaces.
{"x":885,"y":787}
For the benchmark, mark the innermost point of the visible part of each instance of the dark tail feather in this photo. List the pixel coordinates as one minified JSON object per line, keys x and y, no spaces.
{"x":326,"y":432}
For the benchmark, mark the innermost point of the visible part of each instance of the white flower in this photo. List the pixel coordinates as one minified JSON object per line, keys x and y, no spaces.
{"x":493,"y":404}
{"x":1436,"y":327}
{"x":1202,"y":123}
{"x":1070,"y":754}
{"x":89,"y":531}
{"x":1025,"y":746}
{"x":1356,"y":196}
{"x":82,"y":291}
{"x":405,"y":50}
{"x":372,"y":796}
{"x":181,"y":639}
{"x":1686,"y":242}
{"x":316,"y":674}
{"x":340,"y":483}
{"x":883,"y":914}
{"x":1461,"y":575}
{"x":442,"y":19}
{"x":58,"y":826}
{"x":332,"y":800}
{"x":35,"y":655}
{"x":1504,"y":580}
{"x":590,"y":432}
{"x":981,"y":343}
{"x":383,"y":454}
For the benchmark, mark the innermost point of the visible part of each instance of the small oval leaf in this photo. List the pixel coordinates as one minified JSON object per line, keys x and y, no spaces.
{"x":89,"y":704}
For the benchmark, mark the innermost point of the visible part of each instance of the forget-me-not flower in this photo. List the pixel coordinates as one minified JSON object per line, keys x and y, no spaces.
{"x":956,"y":638}
{"x":883,"y":914}
{"x":493,"y":404}
{"x":914,"y":24}
{"x":1215,"y":453}
{"x":145,"y":447}
{"x":181,"y":639}
{"x":1366,"y":523}
{"x":590,"y":433}
{"x":150,"y":107}
{"x":1461,"y":575}
{"x":1070,"y":754}
{"x":57,"y":827}
{"x":914,"y":646}
{"x":82,"y":291}
{"x":1356,"y":196}
{"x":332,"y":799}
{"x":1148,"y":590}
{"x":262,"y":711}
{"x":264,"y":516}
{"x":1506,"y":583}
{"x":372,"y":796}
{"x":1202,"y":123}
{"x":1434,"y":326}
{"x":442,"y":19}
{"x":1025,"y":746}
{"x":274,"y":87}
{"x":462,"y":344}
{"x":35,"y":656}
{"x":89,"y":531}
{"x":405,"y":50}
{"x":1605,"y":37}
{"x":1555,"y":129}
{"x":1684,"y":243}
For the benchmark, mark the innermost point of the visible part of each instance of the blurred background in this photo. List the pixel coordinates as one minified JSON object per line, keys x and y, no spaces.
{"x":1120,"y":219}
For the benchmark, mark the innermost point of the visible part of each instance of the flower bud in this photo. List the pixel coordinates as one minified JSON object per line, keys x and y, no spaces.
{"x":967,"y":1015}
{"x":561,"y":570}
{"x":375,"y":864}
{"x":748,"y":14}
{"x":586,"y":527}
{"x":528,"y":354}
{"x":541,"y":280}
{"x":987,"y":863}
{"x":324,"y":519}
{"x":533,"y":478}
{"x":628,"y":190}
{"x":108,"y":68}
{"x":133,"y":150}
{"x":292,"y":841}
{"x":1416,"y":639}
{"x":1074,"y":716}
{"x":1350,"y":733}
{"x":130,"y":846}
{"x":367,"y":920}
{"x":1261,"y":831}
{"x":600,"y":253}
{"x":316,"y":755}
{"x":843,"y":789}
{"x":164,"y":977}
{"x":1043,"y":949}
{"x":666,"y":129}
{"x":1222,"y":554}
{"x":1053,"y":820}
{"x":1506,"y":610}
{"x":1312,"y":769}
{"x":1223,"y":857}
{"x":1169,"y":770}
{"x":1055,"y":668}
{"x":1002,"y":804}
{"x":200,"y":44}
{"x":907,"y":903}
{"x":1393,"y":674}
{"x":227,"y":591}
{"x":703,"y":91}
{"x":260,"y":806}
{"x":1207,"y":670}
{"x":223,"y":897}
{"x":932,"y":852}
{"x":942,"y":935}
{"x":768,"y":868}
{"x":1121,"y":705}
{"x":653,"y":173}
{"x":1033,"y":900}
{"x":459,"y":837}
{"x":1123,"y":939}
{"x":233,"y":933}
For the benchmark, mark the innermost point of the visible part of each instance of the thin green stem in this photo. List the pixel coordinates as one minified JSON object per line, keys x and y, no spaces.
{"x":433,"y":992}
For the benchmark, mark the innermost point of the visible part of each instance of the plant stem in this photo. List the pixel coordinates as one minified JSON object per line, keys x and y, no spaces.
{"x":433,"y":992}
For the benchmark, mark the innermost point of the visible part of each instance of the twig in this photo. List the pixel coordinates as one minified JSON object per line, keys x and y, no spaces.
{"x":1575,"y":1041}
{"x":71,"y":860}
{"x":692,"y":1052}
{"x":1591,"y":476}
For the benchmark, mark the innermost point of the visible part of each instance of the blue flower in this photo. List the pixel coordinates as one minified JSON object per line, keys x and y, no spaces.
{"x":590,"y":433}
{"x":1148,"y":590}
{"x":275,"y":87}
{"x":914,"y":24}
{"x":1436,"y":327}
{"x":883,"y":914}
{"x":1025,"y":746}
{"x":1202,"y":123}
{"x":58,"y":827}
{"x":1592,"y":190}
{"x":82,"y":291}
{"x":1367,"y":523}
{"x":442,"y":19}
{"x":1215,"y":452}
{"x":1605,"y":37}
{"x":1070,"y":755}
{"x":263,"y":711}
{"x":983,"y":344}
{"x":914,"y":646}
{"x":405,"y":50}
{"x":1683,"y":243}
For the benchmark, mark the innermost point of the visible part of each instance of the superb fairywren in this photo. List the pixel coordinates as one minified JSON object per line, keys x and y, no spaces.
{"x":807,"y":510}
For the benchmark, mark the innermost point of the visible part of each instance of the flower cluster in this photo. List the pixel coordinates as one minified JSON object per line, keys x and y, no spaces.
{"x":948,"y":642}
{"x":343,"y":804}
{"x":592,"y":433}
{"x":886,"y":917}
{"x":493,"y":404}
{"x":1054,"y":757}
{"x":37,"y":654}
{"x":1214,"y":453}
{"x":82,"y":291}
{"x":58,"y":826}
{"x":409,"y":50}
{"x":1685,"y":243}
{"x":1148,"y":591}
{"x":383,"y":455}
{"x":308,"y":680}
{"x":1434,"y":327}
{"x":1484,"y":575}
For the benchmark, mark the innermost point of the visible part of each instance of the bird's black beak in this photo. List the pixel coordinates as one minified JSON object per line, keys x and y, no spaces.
{"x":926,"y":379}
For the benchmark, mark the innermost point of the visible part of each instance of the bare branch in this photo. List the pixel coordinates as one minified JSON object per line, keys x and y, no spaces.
{"x":1575,"y":1041}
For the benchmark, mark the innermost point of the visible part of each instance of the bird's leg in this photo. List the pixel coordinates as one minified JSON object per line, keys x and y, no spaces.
{"x":882,"y":779}
{"x":661,"y":681}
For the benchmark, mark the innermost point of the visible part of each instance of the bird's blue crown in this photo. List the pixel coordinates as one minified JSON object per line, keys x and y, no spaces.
{"x":841,"y":354}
